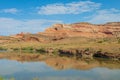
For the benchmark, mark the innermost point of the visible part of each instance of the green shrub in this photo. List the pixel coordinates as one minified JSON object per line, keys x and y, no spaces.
{"x":15,"y":49}
{"x":100,"y":42}
{"x":27,"y":49}
{"x":41,"y":50}
{"x":24,"y":49}
{"x":55,"y":52}
{"x":87,"y":49}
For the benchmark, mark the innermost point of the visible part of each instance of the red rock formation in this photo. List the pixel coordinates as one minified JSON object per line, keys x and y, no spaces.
{"x":20,"y":35}
{"x":33,"y":38}
{"x":84,"y":30}
{"x":61,"y":31}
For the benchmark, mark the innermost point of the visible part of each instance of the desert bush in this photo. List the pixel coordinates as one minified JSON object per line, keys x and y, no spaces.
{"x":100,"y":42}
{"x":27,"y":49}
{"x":87,"y":49}
{"x":15,"y":49}
{"x":41,"y":50}
{"x":55,"y":52}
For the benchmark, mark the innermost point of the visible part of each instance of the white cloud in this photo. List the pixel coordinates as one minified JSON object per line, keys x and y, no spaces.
{"x":10,"y":10}
{"x":103,"y":16}
{"x":69,"y":8}
{"x":13,"y":26}
{"x":15,"y":67}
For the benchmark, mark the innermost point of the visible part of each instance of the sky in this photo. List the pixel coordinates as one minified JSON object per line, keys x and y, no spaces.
{"x":36,"y":15}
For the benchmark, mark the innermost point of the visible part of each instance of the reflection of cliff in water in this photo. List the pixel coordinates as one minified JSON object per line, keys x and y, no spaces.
{"x":67,"y":63}
{"x":61,"y":63}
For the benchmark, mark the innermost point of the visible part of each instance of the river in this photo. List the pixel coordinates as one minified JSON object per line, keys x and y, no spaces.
{"x":41,"y":70}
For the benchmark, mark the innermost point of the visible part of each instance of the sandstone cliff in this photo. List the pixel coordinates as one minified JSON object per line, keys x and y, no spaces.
{"x":84,"y":30}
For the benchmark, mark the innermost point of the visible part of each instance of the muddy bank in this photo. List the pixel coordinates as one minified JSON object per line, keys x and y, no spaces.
{"x":71,"y":52}
{"x":87,"y":53}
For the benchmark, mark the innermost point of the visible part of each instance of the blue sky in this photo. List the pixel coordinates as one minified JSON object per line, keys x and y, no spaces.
{"x":36,"y":15}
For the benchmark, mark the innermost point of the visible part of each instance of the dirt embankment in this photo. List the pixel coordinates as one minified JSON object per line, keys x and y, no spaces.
{"x":69,"y":52}
{"x":89,"y":54}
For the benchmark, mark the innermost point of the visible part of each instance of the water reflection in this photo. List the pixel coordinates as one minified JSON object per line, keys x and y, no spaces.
{"x":51,"y":71}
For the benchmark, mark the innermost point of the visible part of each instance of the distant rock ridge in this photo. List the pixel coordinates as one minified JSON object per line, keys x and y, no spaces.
{"x":84,"y":29}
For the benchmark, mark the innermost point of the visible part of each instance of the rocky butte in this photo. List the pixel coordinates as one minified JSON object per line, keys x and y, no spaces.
{"x":83,"y":29}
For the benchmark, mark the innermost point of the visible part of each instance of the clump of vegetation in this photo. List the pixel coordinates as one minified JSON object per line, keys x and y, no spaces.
{"x":24,"y":49}
{"x":15,"y":49}
{"x":55,"y":52}
{"x":100,"y":42}
{"x":87,"y":49}
{"x":41,"y":50}
{"x":27,"y":49}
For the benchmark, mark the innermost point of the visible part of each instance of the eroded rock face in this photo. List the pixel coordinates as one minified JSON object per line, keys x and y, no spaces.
{"x":61,"y":31}
{"x":28,"y":37}
{"x":84,"y":30}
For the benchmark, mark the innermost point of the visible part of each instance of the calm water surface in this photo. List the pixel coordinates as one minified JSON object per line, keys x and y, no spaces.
{"x":41,"y":71}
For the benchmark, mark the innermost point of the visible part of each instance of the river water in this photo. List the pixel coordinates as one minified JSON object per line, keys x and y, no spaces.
{"x":14,"y":70}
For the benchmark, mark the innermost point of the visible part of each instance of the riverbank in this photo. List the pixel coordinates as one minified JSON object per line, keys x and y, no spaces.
{"x":108,"y":48}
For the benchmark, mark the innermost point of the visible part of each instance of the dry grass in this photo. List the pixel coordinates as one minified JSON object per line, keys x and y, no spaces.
{"x":109,"y":45}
